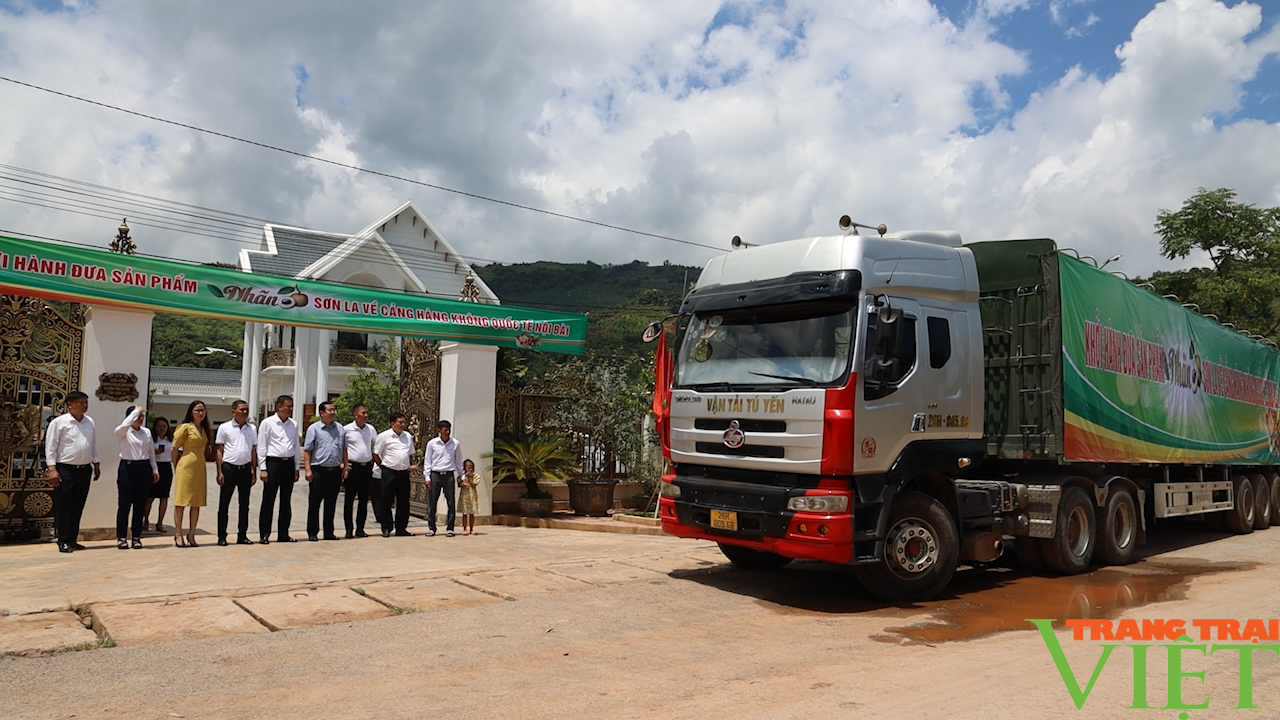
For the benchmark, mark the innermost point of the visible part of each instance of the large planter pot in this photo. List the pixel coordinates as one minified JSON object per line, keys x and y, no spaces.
{"x":537,"y":507}
{"x":591,"y":496}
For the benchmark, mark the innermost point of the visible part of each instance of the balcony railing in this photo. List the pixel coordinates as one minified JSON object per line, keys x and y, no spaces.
{"x":284,"y":357}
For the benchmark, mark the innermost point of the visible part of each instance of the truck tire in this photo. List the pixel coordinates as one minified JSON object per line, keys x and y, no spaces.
{"x":748,"y":559}
{"x":1274,"y":481}
{"x":921,"y":551}
{"x":1070,"y":550}
{"x":1240,"y":518}
{"x":1117,"y":537}
{"x":1262,"y":500}
{"x":1028,"y":551}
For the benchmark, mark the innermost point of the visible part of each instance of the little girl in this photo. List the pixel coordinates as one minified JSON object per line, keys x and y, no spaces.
{"x":467,"y":499}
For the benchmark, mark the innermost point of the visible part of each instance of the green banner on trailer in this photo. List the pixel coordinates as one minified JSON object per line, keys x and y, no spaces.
{"x":1145,"y":380}
{"x":60,"y":272}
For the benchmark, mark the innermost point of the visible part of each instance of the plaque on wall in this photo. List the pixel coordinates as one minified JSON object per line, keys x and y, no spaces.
{"x":117,"y":387}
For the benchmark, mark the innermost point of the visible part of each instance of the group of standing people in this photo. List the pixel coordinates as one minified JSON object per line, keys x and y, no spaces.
{"x":366,"y":465}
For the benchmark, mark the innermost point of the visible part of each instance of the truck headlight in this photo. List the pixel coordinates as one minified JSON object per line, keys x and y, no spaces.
{"x":819,"y":503}
{"x":666,"y":489}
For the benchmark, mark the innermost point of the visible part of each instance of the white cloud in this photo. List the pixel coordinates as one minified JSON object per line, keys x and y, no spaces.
{"x":639,"y":114}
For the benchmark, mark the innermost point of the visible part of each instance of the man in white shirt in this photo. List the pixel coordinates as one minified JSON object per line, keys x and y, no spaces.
{"x":444,"y":462}
{"x":279,"y":459}
{"x":359,"y":473}
{"x":236,"y":458}
{"x":70,"y":451}
{"x":394,"y":448}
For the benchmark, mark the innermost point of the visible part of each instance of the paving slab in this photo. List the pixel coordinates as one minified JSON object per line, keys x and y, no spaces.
{"x":426,"y":595}
{"x":602,"y":572}
{"x":42,"y":633}
{"x":694,"y":562}
{"x":311,"y":606}
{"x":173,"y":620}
{"x":513,"y":584}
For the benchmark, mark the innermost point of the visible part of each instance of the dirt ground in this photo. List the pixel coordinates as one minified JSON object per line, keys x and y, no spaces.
{"x":710,"y":642}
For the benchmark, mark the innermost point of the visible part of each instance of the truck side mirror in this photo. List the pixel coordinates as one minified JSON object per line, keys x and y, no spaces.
{"x":652,"y":332}
{"x":888,"y":331}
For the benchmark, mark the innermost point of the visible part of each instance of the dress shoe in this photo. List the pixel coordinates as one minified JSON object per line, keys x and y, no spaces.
{"x":312,"y":538}
{"x":405,"y":533}
{"x":78,"y":546}
{"x":222,"y":542}
{"x":64,"y":548}
{"x":244,"y":541}
{"x":265,"y":541}
{"x":286,"y":539}
{"x":361,"y":533}
{"x":332,"y":537}
{"x":349,"y":535}
{"x":386,"y":533}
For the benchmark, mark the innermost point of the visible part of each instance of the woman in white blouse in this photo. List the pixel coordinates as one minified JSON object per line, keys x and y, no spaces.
{"x":136,"y":475}
{"x":160,"y":490}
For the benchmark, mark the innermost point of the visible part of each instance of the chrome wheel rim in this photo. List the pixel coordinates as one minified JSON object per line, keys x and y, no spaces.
{"x":912,"y":547}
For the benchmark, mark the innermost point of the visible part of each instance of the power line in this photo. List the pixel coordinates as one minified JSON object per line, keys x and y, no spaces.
{"x":356,"y":168}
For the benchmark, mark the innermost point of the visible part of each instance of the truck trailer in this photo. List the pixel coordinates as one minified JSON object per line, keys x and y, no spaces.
{"x":906,"y":403}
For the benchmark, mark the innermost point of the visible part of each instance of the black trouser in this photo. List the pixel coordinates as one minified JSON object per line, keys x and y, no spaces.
{"x":133,"y":486}
{"x":356,"y":490}
{"x":69,"y":499}
{"x":441,"y":482}
{"x":235,"y":478}
{"x":395,"y":485}
{"x":325,"y":483}
{"x":279,"y":480}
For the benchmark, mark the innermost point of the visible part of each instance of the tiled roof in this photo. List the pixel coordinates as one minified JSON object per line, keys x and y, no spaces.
{"x":195,"y":381}
{"x":296,"y":250}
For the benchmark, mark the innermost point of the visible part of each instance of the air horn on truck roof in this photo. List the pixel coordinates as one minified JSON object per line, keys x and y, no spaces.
{"x":848,"y":225}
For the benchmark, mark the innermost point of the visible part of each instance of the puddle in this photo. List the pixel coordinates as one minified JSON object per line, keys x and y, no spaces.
{"x":981,"y":605}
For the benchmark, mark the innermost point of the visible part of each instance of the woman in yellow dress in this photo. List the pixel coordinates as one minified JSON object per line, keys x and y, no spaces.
{"x":189,"y":479}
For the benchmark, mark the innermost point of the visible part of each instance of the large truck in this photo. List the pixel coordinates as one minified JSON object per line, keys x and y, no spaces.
{"x":906,"y":403}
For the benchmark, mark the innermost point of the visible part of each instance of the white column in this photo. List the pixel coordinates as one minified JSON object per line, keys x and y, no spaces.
{"x":115,"y":341}
{"x":324,"y":339}
{"x":254,"y":359}
{"x":467,"y":376}
{"x":246,"y":363}
{"x":301,"y":388}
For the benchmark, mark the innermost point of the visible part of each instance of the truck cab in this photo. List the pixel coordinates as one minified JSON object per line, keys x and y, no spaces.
{"x":806,"y":375}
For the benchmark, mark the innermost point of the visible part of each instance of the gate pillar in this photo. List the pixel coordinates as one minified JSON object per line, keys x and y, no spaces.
{"x":117,"y":345}
{"x":468,"y":374}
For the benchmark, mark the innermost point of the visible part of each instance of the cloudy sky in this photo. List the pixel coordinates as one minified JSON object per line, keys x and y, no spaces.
{"x":1072,"y":119}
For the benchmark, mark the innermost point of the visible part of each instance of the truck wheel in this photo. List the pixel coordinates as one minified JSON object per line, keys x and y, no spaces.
{"x":1262,"y":496}
{"x":1028,"y":551}
{"x":1240,"y":518}
{"x":921,"y":551}
{"x":1118,"y":531}
{"x":748,"y":559}
{"x":1070,"y":550}
{"x":1274,"y":481}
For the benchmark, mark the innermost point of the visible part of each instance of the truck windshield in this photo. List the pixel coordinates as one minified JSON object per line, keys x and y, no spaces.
{"x":796,"y":345}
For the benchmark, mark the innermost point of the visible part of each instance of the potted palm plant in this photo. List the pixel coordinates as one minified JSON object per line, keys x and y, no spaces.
{"x":529,"y":459}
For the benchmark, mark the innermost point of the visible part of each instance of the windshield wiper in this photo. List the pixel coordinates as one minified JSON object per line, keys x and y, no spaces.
{"x":710,"y":387}
{"x":802,"y":380}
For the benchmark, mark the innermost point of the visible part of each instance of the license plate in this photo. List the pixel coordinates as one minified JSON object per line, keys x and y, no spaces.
{"x":724,"y":520}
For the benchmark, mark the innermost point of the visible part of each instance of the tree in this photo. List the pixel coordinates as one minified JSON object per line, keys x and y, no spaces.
{"x":1243,"y":245}
{"x":175,"y":339}
{"x":376,"y":384}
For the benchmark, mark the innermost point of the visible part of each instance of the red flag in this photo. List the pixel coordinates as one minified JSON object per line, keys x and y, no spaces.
{"x":662,"y":393}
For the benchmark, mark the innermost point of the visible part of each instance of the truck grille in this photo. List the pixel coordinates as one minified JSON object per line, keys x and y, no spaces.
{"x":759,"y":451}
{"x":763,"y":426}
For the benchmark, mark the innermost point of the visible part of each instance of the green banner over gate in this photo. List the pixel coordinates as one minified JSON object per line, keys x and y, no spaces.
{"x":60,"y":272}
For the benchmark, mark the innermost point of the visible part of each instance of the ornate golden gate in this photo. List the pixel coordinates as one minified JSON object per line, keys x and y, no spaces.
{"x":40,"y":352}
{"x":420,"y":402}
